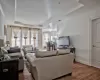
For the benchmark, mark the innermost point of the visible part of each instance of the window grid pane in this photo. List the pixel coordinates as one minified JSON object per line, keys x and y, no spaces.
{"x":20,"y":40}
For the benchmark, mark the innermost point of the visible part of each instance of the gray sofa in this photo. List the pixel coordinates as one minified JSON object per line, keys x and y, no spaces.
{"x":28,"y":49}
{"x":15,"y":54}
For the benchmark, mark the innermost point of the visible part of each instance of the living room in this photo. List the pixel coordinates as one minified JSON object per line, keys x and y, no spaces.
{"x":61,"y":34}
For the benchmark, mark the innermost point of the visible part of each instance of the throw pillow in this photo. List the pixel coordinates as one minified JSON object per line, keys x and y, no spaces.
{"x":13,"y":50}
{"x":42,"y":54}
{"x":3,"y":50}
{"x":6,"y":57}
{"x":63,"y":51}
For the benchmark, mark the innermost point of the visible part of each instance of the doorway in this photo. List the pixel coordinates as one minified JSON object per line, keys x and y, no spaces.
{"x":96,"y":43}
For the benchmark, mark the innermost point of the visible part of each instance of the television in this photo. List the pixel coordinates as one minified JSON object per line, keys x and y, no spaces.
{"x":63,"y":42}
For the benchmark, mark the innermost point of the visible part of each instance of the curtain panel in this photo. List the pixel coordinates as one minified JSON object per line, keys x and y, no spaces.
{"x":34,"y":37}
{"x":16,"y":31}
{"x":25,"y":36}
{"x":9,"y":34}
{"x":25,"y":32}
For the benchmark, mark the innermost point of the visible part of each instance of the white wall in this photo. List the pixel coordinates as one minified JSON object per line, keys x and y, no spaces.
{"x":79,"y":28}
{"x":1,"y":25}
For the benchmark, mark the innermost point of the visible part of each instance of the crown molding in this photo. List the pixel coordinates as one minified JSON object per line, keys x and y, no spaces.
{"x":80,"y":5}
{"x":2,"y":10}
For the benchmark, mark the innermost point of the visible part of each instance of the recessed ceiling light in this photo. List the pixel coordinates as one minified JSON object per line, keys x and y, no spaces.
{"x":59,"y":20}
{"x":59,"y":2}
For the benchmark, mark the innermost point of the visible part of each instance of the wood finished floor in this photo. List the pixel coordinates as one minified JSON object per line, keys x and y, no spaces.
{"x":80,"y":72}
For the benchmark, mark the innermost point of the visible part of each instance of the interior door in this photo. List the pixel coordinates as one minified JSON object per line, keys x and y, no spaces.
{"x":96,"y":43}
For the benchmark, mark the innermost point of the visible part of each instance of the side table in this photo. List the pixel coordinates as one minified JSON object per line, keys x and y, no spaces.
{"x":72,"y":50}
{"x":9,"y":70}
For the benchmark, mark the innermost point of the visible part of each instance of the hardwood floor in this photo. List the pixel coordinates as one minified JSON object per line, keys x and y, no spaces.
{"x":84,"y":72}
{"x":80,"y":72}
{"x":21,"y":76}
{"x":25,"y":75}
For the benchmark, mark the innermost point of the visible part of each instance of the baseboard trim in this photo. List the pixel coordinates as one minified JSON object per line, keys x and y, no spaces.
{"x":63,"y":76}
{"x":82,"y":60}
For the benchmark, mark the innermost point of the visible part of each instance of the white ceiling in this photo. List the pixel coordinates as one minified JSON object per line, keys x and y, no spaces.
{"x":62,"y":8}
{"x":31,"y":11}
{"x":37,"y":12}
{"x":9,"y":9}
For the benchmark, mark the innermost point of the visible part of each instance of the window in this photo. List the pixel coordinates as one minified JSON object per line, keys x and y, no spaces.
{"x":49,"y":36}
{"x":18,"y":40}
{"x":34,"y":38}
{"x":23,"y":36}
{"x":16,"y":37}
{"x":45,"y":39}
{"x":13,"y":40}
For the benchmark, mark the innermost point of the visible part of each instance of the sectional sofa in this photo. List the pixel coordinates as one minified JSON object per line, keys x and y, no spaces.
{"x":49,"y":65}
{"x":14,"y":53}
